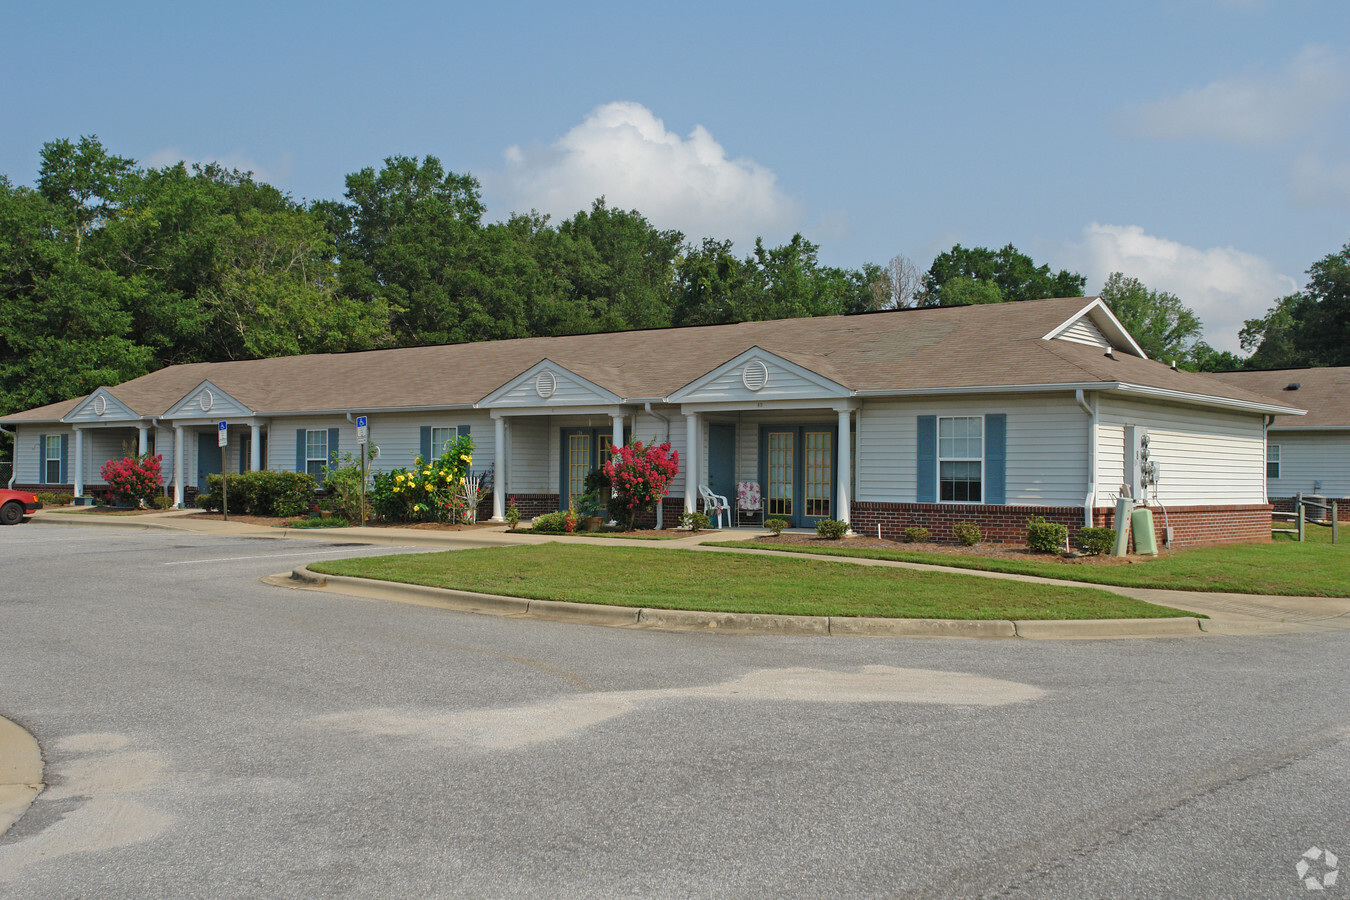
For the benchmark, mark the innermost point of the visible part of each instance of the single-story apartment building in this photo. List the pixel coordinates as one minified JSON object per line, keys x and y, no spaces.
{"x":1310,"y":454}
{"x":924,"y":417}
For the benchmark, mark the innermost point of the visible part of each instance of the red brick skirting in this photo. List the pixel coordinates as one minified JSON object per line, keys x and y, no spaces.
{"x":1191,"y":525}
{"x":1004,"y":524}
{"x":1196,"y":525}
{"x":530,"y":505}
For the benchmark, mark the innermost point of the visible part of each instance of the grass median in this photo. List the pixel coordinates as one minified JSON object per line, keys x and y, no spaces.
{"x":737,"y":582}
{"x":1310,"y":569}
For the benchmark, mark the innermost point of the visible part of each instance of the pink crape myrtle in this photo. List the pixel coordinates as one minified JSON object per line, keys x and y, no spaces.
{"x":133,"y":479}
{"x":640,"y":475}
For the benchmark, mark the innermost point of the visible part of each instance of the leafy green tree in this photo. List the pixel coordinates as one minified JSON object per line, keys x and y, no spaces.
{"x":1165,"y":327}
{"x":966,"y":291}
{"x":1016,"y":275}
{"x":711,"y":285}
{"x":1310,"y":328}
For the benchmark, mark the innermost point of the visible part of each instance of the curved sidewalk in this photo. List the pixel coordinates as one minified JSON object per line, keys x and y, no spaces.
{"x":20,"y":772}
{"x":1233,"y":614}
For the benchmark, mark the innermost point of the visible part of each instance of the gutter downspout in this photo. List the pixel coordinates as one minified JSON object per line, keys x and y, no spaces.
{"x":14,"y":465}
{"x":647,"y":408}
{"x":1090,"y":501}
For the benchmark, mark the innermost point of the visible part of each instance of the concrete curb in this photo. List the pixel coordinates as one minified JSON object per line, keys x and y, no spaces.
{"x":20,"y":772}
{"x":735,"y":623}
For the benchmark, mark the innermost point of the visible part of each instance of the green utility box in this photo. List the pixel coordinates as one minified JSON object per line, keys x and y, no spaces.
{"x":1141,"y":527}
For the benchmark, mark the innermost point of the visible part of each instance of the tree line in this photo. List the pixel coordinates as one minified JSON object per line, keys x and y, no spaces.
{"x":110,"y":270}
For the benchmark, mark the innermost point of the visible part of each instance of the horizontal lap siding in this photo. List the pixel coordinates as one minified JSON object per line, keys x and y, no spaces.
{"x":1046,"y":447}
{"x":527,"y":471}
{"x":1206,"y":457}
{"x":1308,"y":457}
{"x":398,"y":435}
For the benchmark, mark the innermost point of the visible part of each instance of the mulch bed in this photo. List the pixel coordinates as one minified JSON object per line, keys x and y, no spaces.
{"x":278,"y":522}
{"x":988,"y":551}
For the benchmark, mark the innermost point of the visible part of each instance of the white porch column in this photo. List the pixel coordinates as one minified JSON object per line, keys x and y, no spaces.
{"x":77,"y":470}
{"x":845,"y":465}
{"x":616,"y":432}
{"x":143,"y":440}
{"x":499,"y":469}
{"x":691,"y":455}
{"x":255,"y":448}
{"x":178,"y":466}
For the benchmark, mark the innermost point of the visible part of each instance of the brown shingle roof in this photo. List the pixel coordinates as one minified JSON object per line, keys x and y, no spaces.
{"x":921,"y":349}
{"x":1324,"y":393}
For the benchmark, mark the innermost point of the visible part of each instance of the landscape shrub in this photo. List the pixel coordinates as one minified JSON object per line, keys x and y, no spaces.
{"x":1047,"y":537}
{"x":65,"y":499}
{"x":428,"y":492}
{"x":512,"y":513}
{"x":329,"y":522}
{"x":549,"y":523}
{"x":967,"y":533}
{"x":776,"y":525}
{"x":639,"y":475}
{"x":693,"y":521}
{"x":47,"y":498}
{"x":343,"y":484}
{"x":133,"y":479}
{"x":831,"y":529}
{"x":1096,"y":541}
{"x":282,"y":494}
{"x":162,"y":501}
{"x":916,"y":535}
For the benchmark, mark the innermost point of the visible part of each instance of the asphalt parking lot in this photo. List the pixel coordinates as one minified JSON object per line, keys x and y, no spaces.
{"x":207,"y":735}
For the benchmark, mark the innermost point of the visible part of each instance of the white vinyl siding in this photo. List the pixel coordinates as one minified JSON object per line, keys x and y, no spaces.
{"x":1206,"y":456}
{"x":1046,"y":454}
{"x":1309,"y":457}
{"x":527,"y":469}
{"x":1084,"y":332}
{"x":397,"y":435}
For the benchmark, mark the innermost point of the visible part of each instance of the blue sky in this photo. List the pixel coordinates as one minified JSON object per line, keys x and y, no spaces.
{"x":1200,"y":145}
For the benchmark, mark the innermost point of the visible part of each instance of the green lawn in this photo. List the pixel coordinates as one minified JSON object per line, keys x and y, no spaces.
{"x":1317,"y":534}
{"x":734,"y":582}
{"x":1310,"y":569}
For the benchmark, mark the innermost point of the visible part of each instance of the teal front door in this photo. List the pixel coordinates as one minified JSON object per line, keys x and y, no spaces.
{"x":209,"y":459}
{"x":796,"y":472}
{"x":722,"y":460}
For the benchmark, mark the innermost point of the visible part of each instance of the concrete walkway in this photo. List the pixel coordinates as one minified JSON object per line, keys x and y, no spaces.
{"x":1234,"y":614}
{"x":20,"y":772}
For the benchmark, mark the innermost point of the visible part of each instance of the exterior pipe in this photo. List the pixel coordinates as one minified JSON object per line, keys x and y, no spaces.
{"x":1089,"y":502}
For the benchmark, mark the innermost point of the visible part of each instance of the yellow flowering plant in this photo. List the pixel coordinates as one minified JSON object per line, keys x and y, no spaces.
{"x":429,"y":490}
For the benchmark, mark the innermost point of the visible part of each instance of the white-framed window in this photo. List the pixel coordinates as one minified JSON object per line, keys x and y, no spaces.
{"x":1272,"y":461}
{"x":961,"y":459}
{"x":51,"y":460}
{"x":316,"y":452}
{"x":441,"y":438}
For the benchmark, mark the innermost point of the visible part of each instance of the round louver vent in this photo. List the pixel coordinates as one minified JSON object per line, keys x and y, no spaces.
{"x":100,"y":405}
{"x":755,"y":375}
{"x":206,"y":401}
{"x":545,"y":384}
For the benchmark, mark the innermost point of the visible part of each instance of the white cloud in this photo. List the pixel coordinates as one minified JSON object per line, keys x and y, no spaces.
{"x":1250,"y":109}
{"x":273,"y":174}
{"x":1315,"y":181}
{"x":624,"y":152}
{"x":1224,"y":286}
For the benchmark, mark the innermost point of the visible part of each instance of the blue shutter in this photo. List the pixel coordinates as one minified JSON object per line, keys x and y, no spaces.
{"x":426,"y":443}
{"x":926,"y":488}
{"x":42,"y":458}
{"x":300,"y":450}
{"x":995,"y":458}
{"x":333,"y":447}
{"x":65,"y":459}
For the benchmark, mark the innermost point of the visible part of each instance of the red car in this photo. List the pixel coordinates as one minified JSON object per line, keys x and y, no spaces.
{"x":14,"y":505}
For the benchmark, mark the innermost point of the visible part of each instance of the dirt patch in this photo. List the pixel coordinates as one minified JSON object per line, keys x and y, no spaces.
{"x":986,"y":551}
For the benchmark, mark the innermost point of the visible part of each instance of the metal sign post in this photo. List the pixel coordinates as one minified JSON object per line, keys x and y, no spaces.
{"x":222,"y":440}
{"x":361,"y":437}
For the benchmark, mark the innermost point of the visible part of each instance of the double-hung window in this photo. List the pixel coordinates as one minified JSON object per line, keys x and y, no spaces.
{"x":316,"y":452}
{"x":440,"y":440}
{"x":51,"y":460}
{"x":1272,"y":461}
{"x":961,"y":459}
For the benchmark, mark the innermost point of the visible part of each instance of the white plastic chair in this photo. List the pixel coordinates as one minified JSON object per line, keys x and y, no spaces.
{"x":749,"y":501}
{"x":715,"y":506}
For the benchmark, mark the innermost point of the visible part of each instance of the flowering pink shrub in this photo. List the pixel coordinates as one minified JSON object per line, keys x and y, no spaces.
{"x":134,"y":479}
{"x":640,"y":475}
